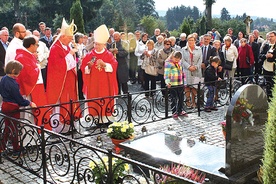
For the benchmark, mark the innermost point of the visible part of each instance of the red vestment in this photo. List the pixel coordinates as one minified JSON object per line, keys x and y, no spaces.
{"x":29,"y":86}
{"x":61,"y":84}
{"x":100,"y":83}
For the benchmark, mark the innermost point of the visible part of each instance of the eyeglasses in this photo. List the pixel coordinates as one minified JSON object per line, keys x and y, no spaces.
{"x":168,"y":44}
{"x":22,"y":31}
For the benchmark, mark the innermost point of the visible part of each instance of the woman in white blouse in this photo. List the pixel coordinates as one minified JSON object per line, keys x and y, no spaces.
{"x":230,"y":53}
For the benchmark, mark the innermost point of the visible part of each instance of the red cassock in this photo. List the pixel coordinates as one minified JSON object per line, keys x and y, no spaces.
{"x":61,"y":84}
{"x":100,"y":83}
{"x":27,"y":81}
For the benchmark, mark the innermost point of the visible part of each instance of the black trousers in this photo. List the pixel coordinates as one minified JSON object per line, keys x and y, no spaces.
{"x":123,"y":87}
{"x":177,"y":96}
{"x":152,"y":79}
{"x":270,"y":82}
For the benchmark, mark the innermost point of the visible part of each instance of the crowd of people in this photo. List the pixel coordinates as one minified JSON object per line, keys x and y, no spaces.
{"x":69,"y":65}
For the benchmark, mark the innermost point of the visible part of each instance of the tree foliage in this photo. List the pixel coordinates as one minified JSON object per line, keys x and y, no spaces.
{"x":224,"y":15}
{"x":76,"y":13}
{"x":269,"y":168}
{"x":176,"y":15}
{"x":146,"y":8}
{"x":185,"y":27}
{"x":149,"y":23}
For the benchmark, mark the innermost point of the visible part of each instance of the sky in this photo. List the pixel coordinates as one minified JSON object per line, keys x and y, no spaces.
{"x":234,"y":7}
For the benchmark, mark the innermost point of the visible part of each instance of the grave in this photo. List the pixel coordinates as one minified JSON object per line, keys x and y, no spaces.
{"x":237,"y":162}
{"x":245,"y":122}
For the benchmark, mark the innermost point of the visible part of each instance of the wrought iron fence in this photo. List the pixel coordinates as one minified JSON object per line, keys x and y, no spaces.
{"x":53,"y":138}
{"x":92,"y":116}
{"x":58,"y":158}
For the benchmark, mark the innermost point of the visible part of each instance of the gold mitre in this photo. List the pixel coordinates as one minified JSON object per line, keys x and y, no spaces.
{"x":101,"y":34}
{"x":68,"y":30}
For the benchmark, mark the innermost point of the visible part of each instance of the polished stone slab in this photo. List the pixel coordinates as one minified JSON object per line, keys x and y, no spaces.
{"x":170,"y":148}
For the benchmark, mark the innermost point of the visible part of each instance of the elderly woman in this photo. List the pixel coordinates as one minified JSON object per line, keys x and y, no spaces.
{"x":246,"y":58}
{"x":174,"y":46}
{"x":160,"y":43}
{"x":192,"y":58}
{"x":230,"y":53}
{"x":149,"y":58}
{"x":163,"y":54}
{"x":141,"y":47}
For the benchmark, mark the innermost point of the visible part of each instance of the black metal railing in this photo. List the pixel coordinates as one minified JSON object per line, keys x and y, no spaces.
{"x":92,"y":116}
{"x":54,"y":156}
{"x":57,"y":158}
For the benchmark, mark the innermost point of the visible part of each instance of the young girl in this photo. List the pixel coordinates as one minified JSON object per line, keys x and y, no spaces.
{"x":210,"y":79}
{"x":12,"y":100}
{"x":173,"y":76}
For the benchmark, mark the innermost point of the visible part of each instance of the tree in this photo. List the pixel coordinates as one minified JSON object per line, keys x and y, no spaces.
{"x":176,"y":15}
{"x":208,"y":12}
{"x":146,"y":8}
{"x":76,"y":13}
{"x":149,"y":24}
{"x":224,"y":15}
{"x":185,"y":26}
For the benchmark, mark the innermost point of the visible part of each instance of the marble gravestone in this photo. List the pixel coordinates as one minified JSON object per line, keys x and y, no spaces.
{"x":245,"y":122}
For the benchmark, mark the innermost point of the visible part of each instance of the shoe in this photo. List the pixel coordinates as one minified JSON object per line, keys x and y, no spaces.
{"x":207,"y":110}
{"x":213,"y":108}
{"x":175,"y":116}
{"x":16,"y":154}
{"x":183,"y":113}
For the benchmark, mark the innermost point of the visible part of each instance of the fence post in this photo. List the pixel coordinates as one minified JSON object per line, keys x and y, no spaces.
{"x":44,"y":163}
{"x":199,"y":98}
{"x":109,"y":175}
{"x":129,"y":107}
{"x":166,"y":103}
{"x":72,"y":128}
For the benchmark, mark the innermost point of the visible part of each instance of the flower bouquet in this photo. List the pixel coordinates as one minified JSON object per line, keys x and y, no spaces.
{"x":242,"y":111}
{"x":99,"y":169}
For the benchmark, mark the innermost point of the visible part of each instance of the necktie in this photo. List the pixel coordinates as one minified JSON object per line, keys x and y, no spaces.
{"x":204,"y":54}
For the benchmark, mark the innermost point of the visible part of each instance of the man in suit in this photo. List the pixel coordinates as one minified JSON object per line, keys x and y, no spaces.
{"x":207,"y":51}
{"x":4,"y":36}
{"x":256,"y":51}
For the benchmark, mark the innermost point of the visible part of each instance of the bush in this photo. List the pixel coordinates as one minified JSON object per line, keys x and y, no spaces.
{"x":269,"y":160}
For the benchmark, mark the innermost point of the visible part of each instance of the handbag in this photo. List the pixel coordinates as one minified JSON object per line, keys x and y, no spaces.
{"x":151,"y":70}
{"x":228,"y":64}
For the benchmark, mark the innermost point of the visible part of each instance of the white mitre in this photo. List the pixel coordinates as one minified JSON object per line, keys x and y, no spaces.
{"x":68,"y":30}
{"x":101,"y":34}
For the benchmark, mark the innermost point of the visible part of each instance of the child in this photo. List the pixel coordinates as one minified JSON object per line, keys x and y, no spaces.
{"x":173,"y":76}
{"x":12,"y":100}
{"x":210,"y":79}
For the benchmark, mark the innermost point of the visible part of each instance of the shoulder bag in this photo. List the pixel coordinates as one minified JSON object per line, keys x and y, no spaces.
{"x":228,"y":64}
{"x":151,"y":69}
